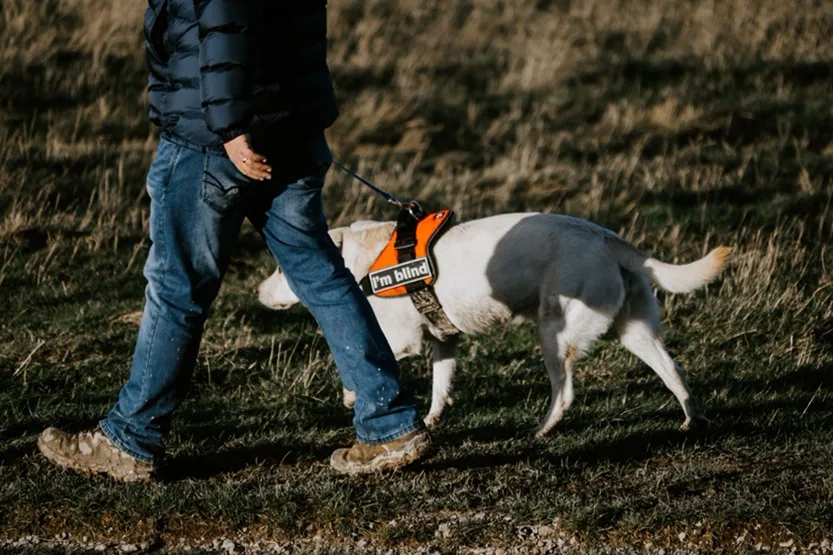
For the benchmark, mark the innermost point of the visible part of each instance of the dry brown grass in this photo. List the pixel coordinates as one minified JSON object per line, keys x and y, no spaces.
{"x":680,"y":124}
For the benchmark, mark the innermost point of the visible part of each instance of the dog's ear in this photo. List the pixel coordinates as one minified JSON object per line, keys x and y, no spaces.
{"x":337,"y":235}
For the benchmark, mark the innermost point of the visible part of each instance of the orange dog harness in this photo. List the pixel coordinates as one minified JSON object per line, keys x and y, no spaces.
{"x":406,"y":265}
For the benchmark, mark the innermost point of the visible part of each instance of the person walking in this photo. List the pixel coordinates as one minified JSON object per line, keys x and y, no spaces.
{"x":242,"y":94}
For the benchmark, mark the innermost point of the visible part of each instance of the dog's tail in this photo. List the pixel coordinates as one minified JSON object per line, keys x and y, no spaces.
{"x":675,"y":278}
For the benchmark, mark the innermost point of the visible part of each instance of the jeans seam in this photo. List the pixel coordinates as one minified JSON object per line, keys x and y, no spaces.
{"x":358,"y":422}
{"x":171,"y":166}
{"x":394,"y":435}
{"x":155,"y":324}
{"x":104,"y":426}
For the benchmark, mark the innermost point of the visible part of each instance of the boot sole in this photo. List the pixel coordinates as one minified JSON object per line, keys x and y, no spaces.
{"x":66,"y":462}
{"x":410,"y":453}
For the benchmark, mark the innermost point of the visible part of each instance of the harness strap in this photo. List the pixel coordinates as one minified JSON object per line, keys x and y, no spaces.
{"x":406,"y":241}
{"x":427,"y":303}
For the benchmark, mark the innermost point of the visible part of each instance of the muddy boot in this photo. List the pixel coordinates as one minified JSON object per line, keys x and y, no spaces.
{"x":362,"y":458}
{"x":92,"y":453}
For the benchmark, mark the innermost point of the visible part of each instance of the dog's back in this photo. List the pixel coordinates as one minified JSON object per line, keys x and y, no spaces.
{"x":495,"y":266}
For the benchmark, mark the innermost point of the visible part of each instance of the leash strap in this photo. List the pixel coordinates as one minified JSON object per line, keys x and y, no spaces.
{"x":385,"y":195}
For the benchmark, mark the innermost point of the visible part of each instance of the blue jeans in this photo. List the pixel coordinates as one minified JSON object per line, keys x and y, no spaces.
{"x":198,"y":203}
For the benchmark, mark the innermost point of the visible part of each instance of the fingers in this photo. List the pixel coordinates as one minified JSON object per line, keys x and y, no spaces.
{"x":248,"y":162}
{"x":252,"y":165}
{"x":252,"y":156}
{"x":250,"y":173}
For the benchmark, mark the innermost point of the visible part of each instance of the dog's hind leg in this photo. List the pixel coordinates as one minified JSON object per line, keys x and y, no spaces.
{"x":558,"y":358}
{"x":444,"y":355}
{"x":565,"y":334}
{"x":637,"y":325}
{"x":577,"y":306}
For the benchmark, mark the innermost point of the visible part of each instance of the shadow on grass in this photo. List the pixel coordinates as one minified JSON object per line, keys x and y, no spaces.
{"x":266,"y":320}
{"x":10,"y":454}
{"x":804,"y":378}
{"x":239,"y":458}
{"x":201,"y":425}
{"x":32,"y":427}
{"x":800,"y":413}
{"x":633,"y":447}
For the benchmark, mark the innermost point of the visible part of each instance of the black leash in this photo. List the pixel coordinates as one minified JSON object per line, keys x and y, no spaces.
{"x":411,"y":207}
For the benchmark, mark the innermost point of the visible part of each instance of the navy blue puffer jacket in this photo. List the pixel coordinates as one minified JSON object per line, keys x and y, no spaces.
{"x":221,"y":68}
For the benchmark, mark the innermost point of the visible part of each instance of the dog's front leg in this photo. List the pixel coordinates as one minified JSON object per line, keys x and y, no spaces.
{"x":348,"y":397}
{"x":444,"y":356}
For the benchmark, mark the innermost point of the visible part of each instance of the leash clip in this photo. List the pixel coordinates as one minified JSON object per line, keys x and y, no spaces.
{"x":415,"y":210}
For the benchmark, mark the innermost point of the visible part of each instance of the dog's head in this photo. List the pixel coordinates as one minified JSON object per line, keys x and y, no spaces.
{"x":359,"y":244}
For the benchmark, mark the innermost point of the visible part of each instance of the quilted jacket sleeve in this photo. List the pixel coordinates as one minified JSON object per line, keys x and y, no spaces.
{"x":224,"y":59}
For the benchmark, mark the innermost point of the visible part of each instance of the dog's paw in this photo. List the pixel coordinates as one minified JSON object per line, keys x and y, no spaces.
{"x":433,"y":420}
{"x":539,"y":432}
{"x":348,"y":398}
{"x":695,"y":422}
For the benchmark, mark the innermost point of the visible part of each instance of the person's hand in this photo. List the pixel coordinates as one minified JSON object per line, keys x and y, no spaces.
{"x":247,"y":161}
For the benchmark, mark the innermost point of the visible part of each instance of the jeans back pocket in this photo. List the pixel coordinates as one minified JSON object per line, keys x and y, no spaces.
{"x":223,"y":186}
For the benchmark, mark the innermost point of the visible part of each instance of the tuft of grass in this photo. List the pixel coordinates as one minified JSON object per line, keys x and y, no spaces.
{"x":682,"y":126}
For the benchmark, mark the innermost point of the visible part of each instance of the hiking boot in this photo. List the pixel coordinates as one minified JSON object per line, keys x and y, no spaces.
{"x":362,"y":458}
{"x":92,"y":453}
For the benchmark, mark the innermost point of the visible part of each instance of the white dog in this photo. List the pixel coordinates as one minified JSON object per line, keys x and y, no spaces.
{"x":574,"y":277}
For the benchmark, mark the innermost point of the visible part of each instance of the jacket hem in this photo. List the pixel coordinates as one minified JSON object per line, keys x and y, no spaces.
{"x":217,"y":149}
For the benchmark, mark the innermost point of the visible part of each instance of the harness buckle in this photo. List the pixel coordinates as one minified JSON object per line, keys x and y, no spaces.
{"x":405,"y":242}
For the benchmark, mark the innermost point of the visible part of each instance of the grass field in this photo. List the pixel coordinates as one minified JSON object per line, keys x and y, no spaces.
{"x":680,"y":124}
